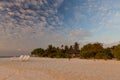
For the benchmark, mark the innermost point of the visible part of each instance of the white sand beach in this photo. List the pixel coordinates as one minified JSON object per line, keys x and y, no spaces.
{"x":59,"y":69}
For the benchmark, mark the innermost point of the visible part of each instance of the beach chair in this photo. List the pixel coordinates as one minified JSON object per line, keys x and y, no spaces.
{"x":17,"y":58}
{"x":21,"y":58}
{"x":26,"y":58}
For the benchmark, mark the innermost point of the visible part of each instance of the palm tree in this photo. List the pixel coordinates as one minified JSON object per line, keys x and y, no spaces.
{"x":62,"y":46}
{"x":76,"y":46}
{"x":66,"y":49}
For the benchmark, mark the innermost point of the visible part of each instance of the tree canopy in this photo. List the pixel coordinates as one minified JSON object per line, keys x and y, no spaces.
{"x":90,"y":50}
{"x":116,"y":51}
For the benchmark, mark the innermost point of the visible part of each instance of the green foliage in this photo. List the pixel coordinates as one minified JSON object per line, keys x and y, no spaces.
{"x":84,"y":54}
{"x":99,"y":55}
{"x":97,"y":51}
{"x":66,"y":49}
{"x":102,"y":56}
{"x":116,"y":52}
{"x":108,"y":53}
{"x":76,"y":46}
{"x":90,"y":50}
{"x":56,"y":52}
{"x":71,"y":48}
{"x":38,"y":52}
{"x":94,"y":50}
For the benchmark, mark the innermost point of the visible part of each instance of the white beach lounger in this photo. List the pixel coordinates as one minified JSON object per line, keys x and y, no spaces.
{"x":21,"y":58}
{"x":26,"y":57}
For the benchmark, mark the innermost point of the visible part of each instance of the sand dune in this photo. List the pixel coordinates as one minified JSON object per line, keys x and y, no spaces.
{"x":59,"y":69}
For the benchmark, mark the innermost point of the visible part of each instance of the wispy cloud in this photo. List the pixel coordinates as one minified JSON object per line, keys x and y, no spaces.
{"x":37,"y":23}
{"x":26,"y":23}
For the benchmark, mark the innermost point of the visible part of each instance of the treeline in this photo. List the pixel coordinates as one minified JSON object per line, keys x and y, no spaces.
{"x":88,"y":51}
{"x":58,"y":52}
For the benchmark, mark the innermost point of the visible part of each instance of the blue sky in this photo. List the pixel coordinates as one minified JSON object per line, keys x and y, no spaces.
{"x":28,"y":24}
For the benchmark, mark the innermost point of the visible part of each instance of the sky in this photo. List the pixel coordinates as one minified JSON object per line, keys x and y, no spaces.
{"x":29,"y":24}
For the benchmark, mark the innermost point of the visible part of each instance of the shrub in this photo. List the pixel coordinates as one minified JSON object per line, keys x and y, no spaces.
{"x":116,"y":52}
{"x":90,"y":50}
{"x":38,"y":52}
{"x":85,"y":55}
{"x":102,"y":56}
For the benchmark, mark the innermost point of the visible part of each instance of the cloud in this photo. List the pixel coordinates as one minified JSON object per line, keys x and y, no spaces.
{"x":27,"y":22}
{"x":79,"y":34}
{"x":37,"y":23}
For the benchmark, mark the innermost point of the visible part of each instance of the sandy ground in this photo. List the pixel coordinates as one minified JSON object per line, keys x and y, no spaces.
{"x":59,"y":69}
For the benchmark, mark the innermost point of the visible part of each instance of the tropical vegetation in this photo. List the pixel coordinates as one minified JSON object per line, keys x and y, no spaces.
{"x":88,"y":51}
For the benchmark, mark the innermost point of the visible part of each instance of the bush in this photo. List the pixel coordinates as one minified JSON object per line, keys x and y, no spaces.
{"x":102,"y":56}
{"x":85,"y":55}
{"x":90,"y":50}
{"x":38,"y":52}
{"x":116,"y":52}
{"x":53,"y":55}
